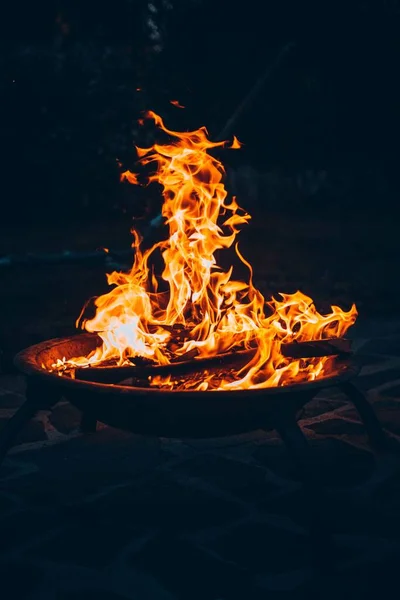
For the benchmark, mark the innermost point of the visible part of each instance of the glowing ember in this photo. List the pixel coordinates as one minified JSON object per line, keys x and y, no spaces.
{"x":203,"y":311}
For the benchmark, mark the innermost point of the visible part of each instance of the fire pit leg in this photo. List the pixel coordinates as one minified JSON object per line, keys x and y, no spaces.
{"x":376,"y":435}
{"x":299,"y":449}
{"x":36,"y":399}
{"x":88,"y":423}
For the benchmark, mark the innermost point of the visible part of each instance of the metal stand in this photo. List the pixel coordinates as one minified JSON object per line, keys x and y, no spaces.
{"x":386,"y":455}
{"x":37,"y":398}
{"x":41,"y":398}
{"x":299,"y":450}
{"x":378,"y":439}
{"x":297,"y":444}
{"x":322,"y":545}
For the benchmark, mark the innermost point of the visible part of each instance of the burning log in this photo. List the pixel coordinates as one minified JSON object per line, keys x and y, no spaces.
{"x":294,"y":350}
{"x":113,"y":374}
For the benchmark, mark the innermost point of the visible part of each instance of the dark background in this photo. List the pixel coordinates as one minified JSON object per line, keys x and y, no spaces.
{"x":69,"y":102}
{"x":318,"y":169}
{"x":112,"y":516}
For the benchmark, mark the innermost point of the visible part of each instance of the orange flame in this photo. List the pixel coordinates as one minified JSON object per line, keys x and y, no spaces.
{"x":203,"y":311}
{"x":176,"y":103}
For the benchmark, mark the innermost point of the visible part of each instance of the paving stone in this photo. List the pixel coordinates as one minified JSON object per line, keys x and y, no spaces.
{"x":343,"y":515}
{"x":12,"y":383}
{"x":65,"y":417}
{"x":192,"y":573}
{"x":165,"y":504}
{"x":91,"y":544}
{"x":365,"y":580}
{"x":47,"y":489}
{"x":10,"y":400}
{"x":110,"y":451}
{"x":334,"y":461}
{"x":337,"y":425}
{"x":388,"y":495}
{"x":32,"y":432}
{"x":6,"y":503}
{"x":23,"y":526}
{"x":320,"y":406}
{"x":367,"y":360}
{"x":389,"y":416}
{"x":275,"y":456}
{"x":19,"y":580}
{"x":339,"y":463}
{"x":368,"y":382}
{"x":289,"y":503}
{"x":68,"y":473}
{"x":10,"y":470}
{"x":231,"y":441}
{"x":264,"y":548}
{"x":86,"y":594}
{"x":387,"y":345}
{"x":381,"y":520}
{"x":246,"y":481}
{"x":387,"y":411}
{"x":36,"y":491}
{"x":394,"y":392}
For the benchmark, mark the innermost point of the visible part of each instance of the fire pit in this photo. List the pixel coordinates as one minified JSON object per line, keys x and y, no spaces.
{"x":170,"y":413}
{"x":193,"y":351}
{"x":196,"y":413}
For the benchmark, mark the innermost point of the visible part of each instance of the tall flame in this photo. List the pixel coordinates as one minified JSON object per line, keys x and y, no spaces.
{"x":203,"y":311}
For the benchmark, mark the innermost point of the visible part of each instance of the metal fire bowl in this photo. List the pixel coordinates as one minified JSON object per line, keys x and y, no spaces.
{"x":166,"y":413}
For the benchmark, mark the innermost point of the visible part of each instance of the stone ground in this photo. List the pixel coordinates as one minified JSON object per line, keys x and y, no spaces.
{"x":112,"y":515}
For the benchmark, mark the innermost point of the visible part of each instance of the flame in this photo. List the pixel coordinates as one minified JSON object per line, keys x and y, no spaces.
{"x":194,"y":308}
{"x":176,"y":103}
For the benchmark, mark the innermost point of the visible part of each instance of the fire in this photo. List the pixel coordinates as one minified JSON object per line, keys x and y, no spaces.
{"x":194,"y":308}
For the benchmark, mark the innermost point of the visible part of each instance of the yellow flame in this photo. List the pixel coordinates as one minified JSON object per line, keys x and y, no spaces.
{"x":212,"y":312}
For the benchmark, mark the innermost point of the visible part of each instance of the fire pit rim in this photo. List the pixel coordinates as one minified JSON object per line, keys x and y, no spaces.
{"x":28,"y":362}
